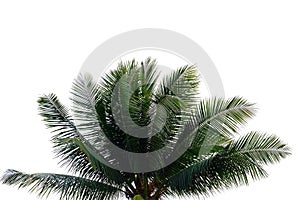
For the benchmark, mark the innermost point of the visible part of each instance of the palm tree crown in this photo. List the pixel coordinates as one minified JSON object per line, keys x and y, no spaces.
{"x":170,"y":112}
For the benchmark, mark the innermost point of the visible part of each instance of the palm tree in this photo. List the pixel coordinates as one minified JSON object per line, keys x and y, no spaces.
{"x":217,"y":157}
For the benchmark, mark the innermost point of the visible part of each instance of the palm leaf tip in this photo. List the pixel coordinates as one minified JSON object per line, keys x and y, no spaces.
{"x":7,"y":176}
{"x":261,"y":147}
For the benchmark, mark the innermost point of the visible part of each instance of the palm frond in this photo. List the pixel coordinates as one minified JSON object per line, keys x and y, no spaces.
{"x":183,"y":83}
{"x":67,"y":142}
{"x":57,"y":117}
{"x":110,"y":79}
{"x":69,"y":187}
{"x":85,"y":93}
{"x":232,"y":166}
{"x":219,"y":118}
{"x":175,"y":95}
{"x":84,"y":99}
{"x":167,"y":122}
{"x":262,"y":148}
{"x":124,"y":103}
{"x":209,"y":127}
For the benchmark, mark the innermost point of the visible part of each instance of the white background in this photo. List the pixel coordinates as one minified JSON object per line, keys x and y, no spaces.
{"x":254,"y":44}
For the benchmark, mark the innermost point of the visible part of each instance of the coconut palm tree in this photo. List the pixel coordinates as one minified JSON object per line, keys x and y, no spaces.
{"x":216,"y":157}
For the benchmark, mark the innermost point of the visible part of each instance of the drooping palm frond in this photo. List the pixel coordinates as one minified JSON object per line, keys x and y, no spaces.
{"x":57,"y":117}
{"x":233,"y":165}
{"x":68,"y":145}
{"x":211,"y":126}
{"x":69,"y":187}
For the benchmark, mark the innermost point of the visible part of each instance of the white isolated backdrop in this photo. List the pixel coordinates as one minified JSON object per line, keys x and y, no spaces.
{"x":255,"y":46}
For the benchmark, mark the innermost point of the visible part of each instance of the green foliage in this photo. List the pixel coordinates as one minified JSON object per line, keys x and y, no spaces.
{"x":231,"y":166}
{"x":69,"y":187}
{"x":172,"y":113}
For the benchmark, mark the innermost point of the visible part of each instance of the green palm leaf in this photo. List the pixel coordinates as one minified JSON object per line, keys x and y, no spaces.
{"x":84,"y":99}
{"x":182,"y":83}
{"x":177,"y":93}
{"x":69,"y":187}
{"x":219,"y":118}
{"x":68,"y":144}
{"x":231,"y":166}
{"x":212,"y":126}
{"x":262,"y":148}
